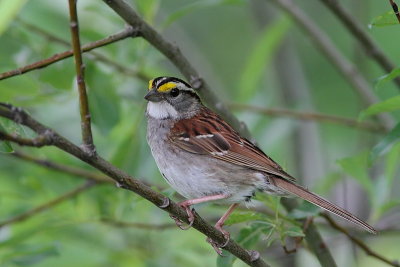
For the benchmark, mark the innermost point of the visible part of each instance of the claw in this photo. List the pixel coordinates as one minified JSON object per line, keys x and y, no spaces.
{"x":216,"y":246}
{"x":190,"y":214}
{"x":165,"y":203}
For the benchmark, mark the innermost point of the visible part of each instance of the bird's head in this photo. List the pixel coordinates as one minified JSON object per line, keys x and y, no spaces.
{"x":171,"y":98}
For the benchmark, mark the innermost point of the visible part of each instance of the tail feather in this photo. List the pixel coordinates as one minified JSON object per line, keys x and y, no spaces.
{"x":321,"y":202}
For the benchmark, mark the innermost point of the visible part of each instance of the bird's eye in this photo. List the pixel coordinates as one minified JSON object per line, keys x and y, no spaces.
{"x":174,"y":92}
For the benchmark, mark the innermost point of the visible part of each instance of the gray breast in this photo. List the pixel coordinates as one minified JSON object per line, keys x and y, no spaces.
{"x":195,"y":175}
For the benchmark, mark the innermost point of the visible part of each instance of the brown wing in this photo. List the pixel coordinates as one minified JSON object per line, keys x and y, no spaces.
{"x":207,"y":133}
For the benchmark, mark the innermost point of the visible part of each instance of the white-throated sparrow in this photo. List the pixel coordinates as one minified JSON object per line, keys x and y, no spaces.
{"x":205,"y":159}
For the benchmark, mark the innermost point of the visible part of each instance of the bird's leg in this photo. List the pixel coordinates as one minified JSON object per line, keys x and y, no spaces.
{"x":186,"y":205}
{"x":217,"y":247}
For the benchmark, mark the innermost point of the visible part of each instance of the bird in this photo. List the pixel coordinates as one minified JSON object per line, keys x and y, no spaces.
{"x":204,"y":159}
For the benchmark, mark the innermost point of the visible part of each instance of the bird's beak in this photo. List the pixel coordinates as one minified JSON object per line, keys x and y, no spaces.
{"x":153,"y":96}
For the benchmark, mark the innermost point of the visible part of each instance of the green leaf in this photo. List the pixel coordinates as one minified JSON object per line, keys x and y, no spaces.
{"x":103,"y":100}
{"x":388,"y":105}
{"x":262,"y":53}
{"x":11,"y":127}
{"x":294,"y":231}
{"x":391,"y":138}
{"x":386,"y":19}
{"x":5,"y":146}
{"x":357,"y":168}
{"x":240,"y":217}
{"x":8,"y":11}
{"x":387,"y":78}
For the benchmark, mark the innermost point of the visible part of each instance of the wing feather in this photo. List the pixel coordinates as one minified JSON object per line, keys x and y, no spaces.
{"x":207,"y":133}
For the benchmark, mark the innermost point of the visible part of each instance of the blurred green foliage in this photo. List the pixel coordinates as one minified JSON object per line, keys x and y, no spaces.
{"x":237,"y":56}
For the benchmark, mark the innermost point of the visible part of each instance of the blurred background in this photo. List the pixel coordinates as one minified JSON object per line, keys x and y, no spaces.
{"x":298,"y":106}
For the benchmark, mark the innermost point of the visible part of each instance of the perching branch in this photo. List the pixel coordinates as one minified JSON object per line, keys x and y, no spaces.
{"x":127,"y":182}
{"x":128,"y":32}
{"x":325,"y":45}
{"x":301,"y":115}
{"x":86,"y":126}
{"x":369,"y":45}
{"x":358,"y":241}
{"x":27,"y":214}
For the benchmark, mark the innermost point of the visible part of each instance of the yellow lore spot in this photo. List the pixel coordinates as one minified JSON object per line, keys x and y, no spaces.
{"x":166,"y":87}
{"x":151,"y":84}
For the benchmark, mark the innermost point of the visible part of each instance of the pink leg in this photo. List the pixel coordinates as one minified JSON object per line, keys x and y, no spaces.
{"x":219,"y":225}
{"x":186,"y":205}
{"x":221,"y":221}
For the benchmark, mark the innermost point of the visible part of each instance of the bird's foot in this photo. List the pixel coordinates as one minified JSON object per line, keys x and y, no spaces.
{"x":190,"y":214}
{"x":216,"y":246}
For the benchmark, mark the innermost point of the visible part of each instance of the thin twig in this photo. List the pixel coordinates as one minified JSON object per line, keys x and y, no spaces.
{"x":395,"y":9}
{"x":360,"y":243}
{"x":348,"y":70}
{"x":39,"y":141}
{"x":301,"y":115}
{"x":369,"y":45}
{"x":87,"y":137}
{"x":144,"y":226}
{"x":128,"y":32}
{"x":127,"y":182}
{"x":27,"y":214}
{"x":96,"y":55}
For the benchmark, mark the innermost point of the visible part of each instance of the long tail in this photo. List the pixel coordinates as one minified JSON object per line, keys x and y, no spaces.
{"x":321,"y":202}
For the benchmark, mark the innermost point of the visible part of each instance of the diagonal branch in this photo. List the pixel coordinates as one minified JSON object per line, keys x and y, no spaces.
{"x":27,"y":214}
{"x":128,"y":32}
{"x":125,"y":181}
{"x":370,"y":47}
{"x":359,"y":242}
{"x":87,"y":137}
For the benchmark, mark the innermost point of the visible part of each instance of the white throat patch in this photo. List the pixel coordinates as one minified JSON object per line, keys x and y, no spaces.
{"x":161,"y":110}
